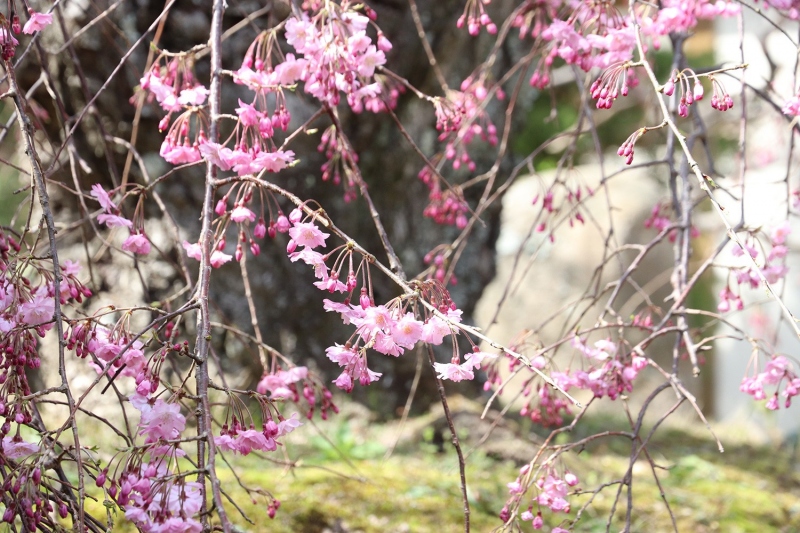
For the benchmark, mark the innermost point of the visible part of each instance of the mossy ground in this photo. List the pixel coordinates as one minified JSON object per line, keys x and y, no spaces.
{"x":346,"y":484}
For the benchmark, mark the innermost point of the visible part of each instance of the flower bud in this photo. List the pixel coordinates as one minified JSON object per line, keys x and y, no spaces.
{"x":221,"y":207}
{"x":282,"y":224}
{"x":698,"y":90}
{"x":261,"y":229}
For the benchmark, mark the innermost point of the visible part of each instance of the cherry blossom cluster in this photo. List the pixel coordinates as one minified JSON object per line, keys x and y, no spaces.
{"x":334,"y":56}
{"x":531,"y":18}
{"x":626,"y":148}
{"x":614,"y":82}
{"x":8,"y":28}
{"x":606,"y":373}
{"x":148,"y":484}
{"x":339,"y":55}
{"x":462,"y":117}
{"x":593,"y":36}
{"x":680,"y":16}
{"x":241,"y":214}
{"x":547,"y":407}
{"x":27,"y":307}
{"x":720,"y":98}
{"x":26,"y":498}
{"x":792,"y":106}
{"x":254,"y":150}
{"x":137,"y":241}
{"x":572,"y":196}
{"x":596,"y":35}
{"x":552,"y":490}
{"x":447,"y":207}
{"x":789,"y":8}
{"x":341,"y":161}
{"x":389,"y":329}
{"x":172,"y":83}
{"x":268,"y":73}
{"x":542,"y":405}
{"x":437,"y":259}
{"x":475,"y":17}
{"x":774,"y":266}
{"x":688,"y":95}
{"x":239,"y":437}
{"x":250,"y":228}
{"x":175,"y":88}
{"x":291,"y":384}
{"x":660,"y":219}
{"x":778,"y":370}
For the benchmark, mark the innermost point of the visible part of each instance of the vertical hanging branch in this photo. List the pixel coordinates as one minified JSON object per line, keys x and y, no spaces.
{"x":462,"y":466}
{"x":206,"y":452}
{"x":26,"y":128}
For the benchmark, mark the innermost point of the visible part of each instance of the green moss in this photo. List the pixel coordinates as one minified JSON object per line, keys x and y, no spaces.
{"x":745,"y":489}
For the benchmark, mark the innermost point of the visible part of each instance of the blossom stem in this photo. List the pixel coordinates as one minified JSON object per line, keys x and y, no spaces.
{"x":695,"y":168}
{"x":206,"y":451}
{"x":44,"y":200}
{"x":456,"y":444}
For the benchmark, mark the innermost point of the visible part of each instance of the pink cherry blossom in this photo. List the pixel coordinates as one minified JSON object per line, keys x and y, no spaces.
{"x":312,"y":258}
{"x":407,"y":331}
{"x":178,"y":524}
{"x":15,"y":448}
{"x":347,"y":312}
{"x":192,"y":250}
{"x":241,"y":213}
{"x":248,"y":114}
{"x":344,"y":382}
{"x":780,"y":232}
{"x":217,"y":154}
{"x":162,"y":421}
{"x":453,"y":371}
{"x":38,"y":310}
{"x":307,"y":234}
{"x":37,"y":22}
{"x":376,"y":318}
{"x":274,"y":161}
{"x":341,"y":355}
{"x":226,"y":443}
{"x":288,"y":425}
{"x":179,"y":153}
{"x":291,"y":70}
{"x":475,"y":359}
{"x":386,"y":344}
{"x":114,"y":221}
{"x":219,"y":258}
{"x":102,"y":196}
{"x":792,"y":106}
{"x":193,"y":96}
{"x":277,"y":383}
{"x":251,"y":439}
{"x":435,"y":330}
{"x":137,"y":243}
